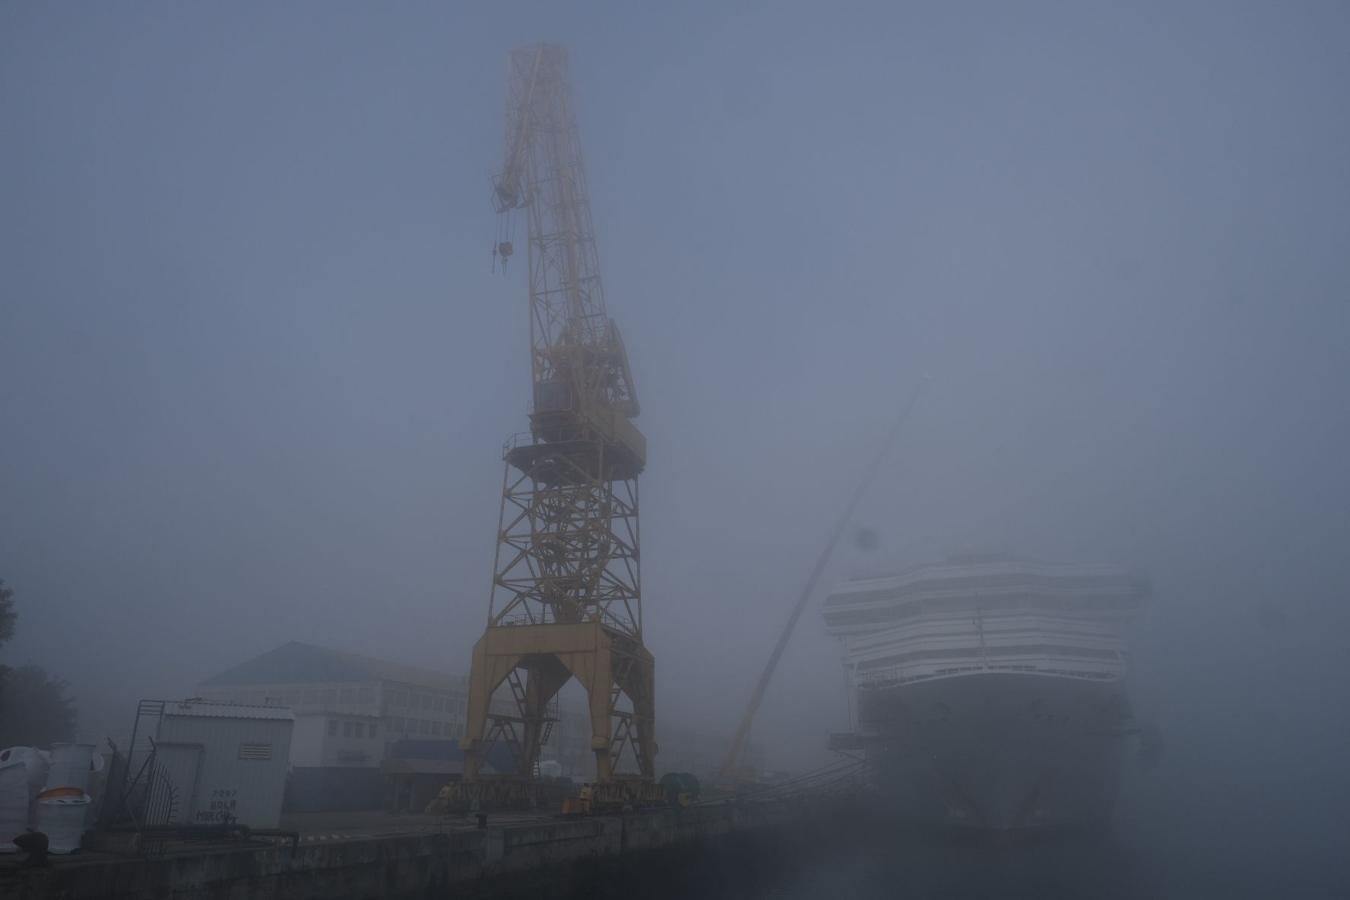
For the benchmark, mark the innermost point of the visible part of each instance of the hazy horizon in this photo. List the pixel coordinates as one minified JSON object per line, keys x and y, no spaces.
{"x":256,"y":369}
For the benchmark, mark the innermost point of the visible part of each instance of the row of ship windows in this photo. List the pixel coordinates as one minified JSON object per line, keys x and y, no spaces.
{"x":882,"y":677}
{"x":1009,"y":583}
{"x":1030,"y":603}
{"x":969,"y":652}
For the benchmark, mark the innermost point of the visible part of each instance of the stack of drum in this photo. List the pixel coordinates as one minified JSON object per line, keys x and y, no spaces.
{"x":63,"y":803}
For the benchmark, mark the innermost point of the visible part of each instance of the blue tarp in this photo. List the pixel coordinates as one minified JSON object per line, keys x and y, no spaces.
{"x":498,"y":755}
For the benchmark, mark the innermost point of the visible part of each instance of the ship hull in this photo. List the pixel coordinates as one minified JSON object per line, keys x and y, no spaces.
{"x":999,"y":751}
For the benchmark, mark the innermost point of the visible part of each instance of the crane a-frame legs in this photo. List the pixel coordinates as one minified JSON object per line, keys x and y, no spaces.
{"x":536,"y":661}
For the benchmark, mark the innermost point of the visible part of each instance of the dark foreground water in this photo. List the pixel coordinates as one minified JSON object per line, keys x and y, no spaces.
{"x":908,"y":865}
{"x":899,"y":864}
{"x":1173,"y":840}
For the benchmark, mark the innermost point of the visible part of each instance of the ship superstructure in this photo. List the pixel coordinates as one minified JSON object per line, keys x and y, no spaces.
{"x":991,"y":688}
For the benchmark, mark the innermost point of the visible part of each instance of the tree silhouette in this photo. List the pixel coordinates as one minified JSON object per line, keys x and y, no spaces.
{"x":7,"y":614}
{"x":35,"y":709}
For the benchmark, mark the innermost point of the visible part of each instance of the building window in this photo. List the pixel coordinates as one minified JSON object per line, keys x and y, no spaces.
{"x":428,"y":701}
{"x":346,"y":729}
{"x":332,"y":727}
{"x":372,"y":729}
{"x":348,"y":696}
{"x":424,"y":726}
{"x":440,"y":704}
{"x":329,"y":696}
{"x":311,"y":698}
{"x":365,"y":695}
{"x":395,"y":724}
{"x":359,"y":729}
{"x":436,"y":729}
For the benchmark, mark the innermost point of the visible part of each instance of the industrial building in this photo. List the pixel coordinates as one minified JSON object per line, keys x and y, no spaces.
{"x":370,"y":733}
{"x":348,"y":707}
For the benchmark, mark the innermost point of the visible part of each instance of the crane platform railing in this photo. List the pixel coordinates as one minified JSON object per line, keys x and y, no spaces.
{"x":561,"y":435}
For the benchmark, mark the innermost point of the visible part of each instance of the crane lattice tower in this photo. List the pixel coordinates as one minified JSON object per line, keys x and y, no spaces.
{"x":566,"y":588}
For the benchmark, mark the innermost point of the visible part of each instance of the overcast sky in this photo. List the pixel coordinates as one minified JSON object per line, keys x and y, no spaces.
{"x":256,"y":371}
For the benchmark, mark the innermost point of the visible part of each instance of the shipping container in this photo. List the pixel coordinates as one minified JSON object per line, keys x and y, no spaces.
{"x":225,"y":763}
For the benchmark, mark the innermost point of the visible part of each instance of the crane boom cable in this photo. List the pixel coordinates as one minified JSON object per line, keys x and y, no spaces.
{"x":869,"y":474}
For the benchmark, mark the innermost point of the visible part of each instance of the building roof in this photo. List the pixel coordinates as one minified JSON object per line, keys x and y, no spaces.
{"x":206,"y":709}
{"x":297,"y":663}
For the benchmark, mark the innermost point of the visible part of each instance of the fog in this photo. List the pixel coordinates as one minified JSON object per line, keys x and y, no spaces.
{"x":256,"y":368}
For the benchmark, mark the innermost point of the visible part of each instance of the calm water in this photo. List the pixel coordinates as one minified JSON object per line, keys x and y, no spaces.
{"x":1117,"y":866}
{"x":1170,"y":840}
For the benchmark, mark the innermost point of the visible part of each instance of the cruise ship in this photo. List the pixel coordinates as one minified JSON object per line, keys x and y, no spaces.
{"x":989,"y":690}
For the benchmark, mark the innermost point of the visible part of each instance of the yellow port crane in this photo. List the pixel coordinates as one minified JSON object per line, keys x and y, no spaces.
{"x":566,"y":587}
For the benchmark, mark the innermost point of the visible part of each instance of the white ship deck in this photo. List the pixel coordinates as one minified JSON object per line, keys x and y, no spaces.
{"x":986,"y":615}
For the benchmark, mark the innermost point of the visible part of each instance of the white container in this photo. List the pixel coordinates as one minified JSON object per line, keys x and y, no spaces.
{"x":225,"y":762}
{"x":35,"y":763}
{"x":62,"y":820}
{"x":22,"y":771}
{"x":13,"y":806}
{"x":70,"y":766}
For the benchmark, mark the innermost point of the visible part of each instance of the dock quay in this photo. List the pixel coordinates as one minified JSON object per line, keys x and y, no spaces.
{"x":514,"y":855}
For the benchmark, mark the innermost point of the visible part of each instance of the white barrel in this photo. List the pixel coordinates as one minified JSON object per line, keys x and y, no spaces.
{"x":22,"y":771}
{"x":62,"y":820}
{"x":13,"y":806}
{"x":70,"y":766}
